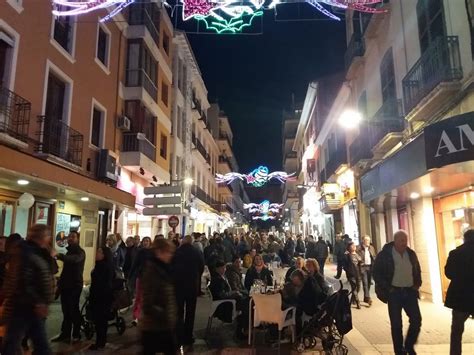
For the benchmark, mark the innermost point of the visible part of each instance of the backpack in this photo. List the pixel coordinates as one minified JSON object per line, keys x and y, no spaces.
{"x":343,"y":313}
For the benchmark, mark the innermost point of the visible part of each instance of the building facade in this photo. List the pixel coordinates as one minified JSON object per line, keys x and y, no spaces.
{"x":412,"y":154}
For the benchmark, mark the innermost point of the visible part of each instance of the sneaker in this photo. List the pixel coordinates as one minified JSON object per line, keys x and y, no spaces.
{"x":61,"y":338}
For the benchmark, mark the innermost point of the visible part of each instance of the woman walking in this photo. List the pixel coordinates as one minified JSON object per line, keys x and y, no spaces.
{"x":160,"y":311}
{"x":100,"y":298}
{"x":353,"y":272}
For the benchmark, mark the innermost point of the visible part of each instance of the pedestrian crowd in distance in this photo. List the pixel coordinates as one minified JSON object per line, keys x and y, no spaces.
{"x":164,"y":278}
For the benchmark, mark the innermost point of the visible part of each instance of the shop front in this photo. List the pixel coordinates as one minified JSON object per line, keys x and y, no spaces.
{"x":426,"y":188}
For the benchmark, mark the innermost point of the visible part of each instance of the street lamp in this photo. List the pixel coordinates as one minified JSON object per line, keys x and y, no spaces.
{"x":188,"y":181}
{"x":350,"y":119}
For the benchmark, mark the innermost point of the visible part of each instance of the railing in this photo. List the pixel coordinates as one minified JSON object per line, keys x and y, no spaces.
{"x":355,"y":48}
{"x":58,"y":139}
{"x":441,"y":62}
{"x":329,"y":203}
{"x":196,"y":105}
{"x":138,"y":77}
{"x":14,"y":114}
{"x":225,"y":160}
{"x":290,"y":155}
{"x":335,"y":160}
{"x":137,"y":142}
{"x":223,"y":135}
{"x":322,"y":177}
{"x":201,"y":149}
{"x":203,"y":196}
{"x":360,"y":149}
{"x":389,"y":118}
{"x":141,"y":14}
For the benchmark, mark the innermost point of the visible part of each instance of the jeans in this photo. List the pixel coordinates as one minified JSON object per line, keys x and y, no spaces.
{"x":321,"y":263}
{"x":71,"y":314}
{"x":399,"y":299}
{"x":23,"y":323}
{"x":340,"y":266}
{"x":366,"y":281}
{"x":355,"y":288}
{"x":101,"y":323}
{"x":457,"y":328}
{"x":186,"y":314}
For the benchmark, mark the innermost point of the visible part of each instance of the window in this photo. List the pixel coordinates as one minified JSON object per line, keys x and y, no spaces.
{"x":141,"y":120}
{"x":164,"y":93}
{"x":430,"y":21}
{"x":178,"y":124}
{"x":55,"y":98}
{"x":142,"y":68}
{"x":63,"y":32}
{"x":103,"y":43}
{"x":6,"y":55}
{"x":387,"y":77}
{"x":166,"y":43}
{"x":183,"y":125}
{"x":163,"y":146}
{"x":97,"y":127}
{"x":362,"y":105}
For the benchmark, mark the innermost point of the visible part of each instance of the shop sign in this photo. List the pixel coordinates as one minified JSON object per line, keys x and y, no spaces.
{"x":450,"y":141}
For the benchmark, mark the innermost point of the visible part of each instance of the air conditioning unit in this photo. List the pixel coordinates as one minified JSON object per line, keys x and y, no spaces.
{"x":124,"y":123}
{"x":107,"y":167}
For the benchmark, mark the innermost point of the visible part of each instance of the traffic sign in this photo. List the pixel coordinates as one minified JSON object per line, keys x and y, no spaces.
{"x":173,"y":222}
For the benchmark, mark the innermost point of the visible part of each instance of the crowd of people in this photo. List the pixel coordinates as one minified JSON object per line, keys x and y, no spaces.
{"x":164,"y":277}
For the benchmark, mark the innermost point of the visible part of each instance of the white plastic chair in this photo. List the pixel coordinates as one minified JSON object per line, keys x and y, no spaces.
{"x":268,"y":310}
{"x":213,"y":309}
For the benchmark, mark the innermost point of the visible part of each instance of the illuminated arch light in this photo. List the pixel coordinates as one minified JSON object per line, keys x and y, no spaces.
{"x":264,"y":207}
{"x":233,"y":25}
{"x":257,"y":178}
{"x":79,"y":7}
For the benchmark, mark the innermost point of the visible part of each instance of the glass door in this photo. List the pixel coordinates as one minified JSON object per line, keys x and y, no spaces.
{"x":6,"y":218}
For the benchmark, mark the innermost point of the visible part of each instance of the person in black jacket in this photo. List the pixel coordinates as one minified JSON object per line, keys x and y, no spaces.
{"x":100,"y":296}
{"x":258,"y":271}
{"x":321,"y":253}
{"x":310,"y":247}
{"x":300,"y":249}
{"x":233,"y":274}
{"x":460,"y":296}
{"x":397,"y":276}
{"x":28,"y":291}
{"x":131,"y":251}
{"x":70,"y":288}
{"x":187,"y":268}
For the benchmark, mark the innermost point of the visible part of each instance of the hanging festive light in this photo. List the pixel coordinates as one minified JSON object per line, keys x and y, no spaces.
{"x":263,"y":207}
{"x":79,"y":7}
{"x":257,"y":178}
{"x":263,"y":218}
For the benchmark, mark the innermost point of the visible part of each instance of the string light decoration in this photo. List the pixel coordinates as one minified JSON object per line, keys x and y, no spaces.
{"x":257,"y":178}
{"x":264,"y":218}
{"x":79,"y":7}
{"x":264,"y":207}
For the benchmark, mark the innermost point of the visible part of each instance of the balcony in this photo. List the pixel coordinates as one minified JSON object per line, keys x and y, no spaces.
{"x":200,"y":148}
{"x":336,"y":159}
{"x":14,"y":118}
{"x":354,"y":54}
{"x":137,"y":142}
{"x":225,"y":165}
{"x":147,"y":15}
{"x":139,"y":78}
{"x":57,"y":140}
{"x":382,"y":132}
{"x":204,"y":197}
{"x":203,"y":119}
{"x":329,"y":204}
{"x":433,"y":79}
{"x":225,"y":143}
{"x":196,"y":106}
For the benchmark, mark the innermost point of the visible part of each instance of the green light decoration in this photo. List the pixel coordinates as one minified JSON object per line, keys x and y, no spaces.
{"x":233,"y":25}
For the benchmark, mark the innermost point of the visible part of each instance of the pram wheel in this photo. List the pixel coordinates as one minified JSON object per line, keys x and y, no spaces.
{"x":309,"y":342}
{"x":341,"y":350}
{"x":88,"y":329}
{"x":120,"y":324}
{"x":300,"y":347}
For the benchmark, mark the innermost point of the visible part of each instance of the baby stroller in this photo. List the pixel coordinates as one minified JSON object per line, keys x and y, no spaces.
{"x":121,"y":302}
{"x":329,"y":324}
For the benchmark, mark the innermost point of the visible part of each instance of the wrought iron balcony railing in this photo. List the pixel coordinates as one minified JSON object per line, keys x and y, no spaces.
{"x":14,"y":114}
{"x":203,"y":196}
{"x":146,"y":14}
{"x":336,"y":159}
{"x":355,"y":48}
{"x":224,"y":136}
{"x":139,"y":78}
{"x":441,"y":62}
{"x":137,"y":142}
{"x":58,"y":139}
{"x":200,"y":148}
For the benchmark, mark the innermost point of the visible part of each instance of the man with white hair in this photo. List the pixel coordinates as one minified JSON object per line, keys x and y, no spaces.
{"x":397,"y":276}
{"x":367,"y":253}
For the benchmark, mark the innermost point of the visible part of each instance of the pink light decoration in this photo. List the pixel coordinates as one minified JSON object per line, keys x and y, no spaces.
{"x":191,"y":8}
{"x":79,"y":7}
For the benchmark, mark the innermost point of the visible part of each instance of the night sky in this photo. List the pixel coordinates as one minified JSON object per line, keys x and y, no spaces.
{"x":253,"y":77}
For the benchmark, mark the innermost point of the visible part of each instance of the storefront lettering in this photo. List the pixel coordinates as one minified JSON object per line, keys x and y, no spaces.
{"x":446,"y":143}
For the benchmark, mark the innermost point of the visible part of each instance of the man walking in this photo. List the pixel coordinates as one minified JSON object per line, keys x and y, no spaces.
{"x":339,"y":251}
{"x":28,"y":291}
{"x":70,"y":288}
{"x":187,"y":268}
{"x":367,"y":253}
{"x":322,"y":252}
{"x":460,"y":296}
{"x":397,"y":276}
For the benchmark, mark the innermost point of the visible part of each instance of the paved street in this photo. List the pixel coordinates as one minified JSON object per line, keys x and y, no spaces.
{"x":371,"y":333}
